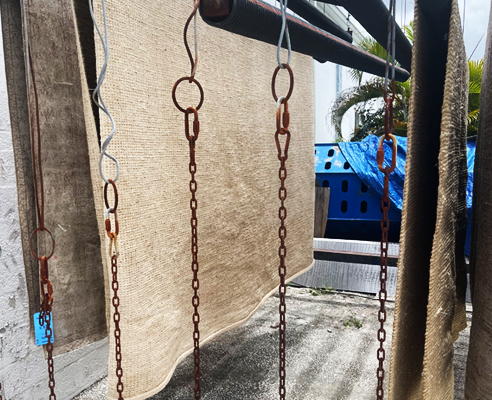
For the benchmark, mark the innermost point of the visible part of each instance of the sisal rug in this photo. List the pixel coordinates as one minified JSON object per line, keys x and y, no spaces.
{"x":479,"y":365}
{"x":237,"y":175}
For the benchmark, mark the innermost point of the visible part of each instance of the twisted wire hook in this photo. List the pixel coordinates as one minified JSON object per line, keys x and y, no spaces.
{"x":284,"y":32}
{"x":97,"y":96}
{"x":194,"y":61}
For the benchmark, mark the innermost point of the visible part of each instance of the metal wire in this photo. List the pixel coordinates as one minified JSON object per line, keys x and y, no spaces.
{"x":193,"y":61}
{"x":385,"y":201}
{"x":38,"y":181}
{"x":284,"y":32}
{"x":97,"y":96}
{"x":391,"y":45}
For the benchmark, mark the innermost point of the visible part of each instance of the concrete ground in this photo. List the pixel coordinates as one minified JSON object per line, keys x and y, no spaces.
{"x":331,"y":354}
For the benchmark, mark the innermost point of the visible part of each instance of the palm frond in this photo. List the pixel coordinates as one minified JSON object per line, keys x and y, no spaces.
{"x":472,"y":116}
{"x":356,"y":75}
{"x":353,"y":96}
{"x":408,"y":31}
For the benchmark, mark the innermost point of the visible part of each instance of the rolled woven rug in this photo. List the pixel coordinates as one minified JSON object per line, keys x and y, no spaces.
{"x":478,"y":384}
{"x":430,"y":302}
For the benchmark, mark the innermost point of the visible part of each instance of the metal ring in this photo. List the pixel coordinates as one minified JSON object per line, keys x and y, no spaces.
{"x":291,"y":88}
{"x":43,"y":229}
{"x":193,"y":80}
{"x":115,"y":207}
{"x":393,"y":155}
{"x":280,"y":100}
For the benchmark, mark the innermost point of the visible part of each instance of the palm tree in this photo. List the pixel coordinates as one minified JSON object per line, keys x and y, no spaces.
{"x":369,"y":107}
{"x":367,"y":100}
{"x":474,"y":89}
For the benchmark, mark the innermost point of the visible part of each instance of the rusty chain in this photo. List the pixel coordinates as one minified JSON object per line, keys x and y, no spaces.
{"x":113,"y":253}
{"x":46,"y":287}
{"x":192,"y":135}
{"x":49,"y":349}
{"x":385,"y":201}
{"x":113,"y":235}
{"x":282,"y":122}
{"x":194,"y":246}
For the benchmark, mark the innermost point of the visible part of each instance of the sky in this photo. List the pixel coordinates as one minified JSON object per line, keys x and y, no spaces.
{"x":476,"y":21}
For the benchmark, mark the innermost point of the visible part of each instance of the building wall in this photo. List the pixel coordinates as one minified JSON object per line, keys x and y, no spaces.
{"x":328,"y":80}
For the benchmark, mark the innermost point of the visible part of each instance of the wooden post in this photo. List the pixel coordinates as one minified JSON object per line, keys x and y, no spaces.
{"x":322,"y":204}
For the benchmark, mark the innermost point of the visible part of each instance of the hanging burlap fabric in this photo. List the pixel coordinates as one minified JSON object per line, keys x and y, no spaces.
{"x":430,"y":303}
{"x":237,"y":175}
{"x":76,"y":269}
{"x":478,"y":384}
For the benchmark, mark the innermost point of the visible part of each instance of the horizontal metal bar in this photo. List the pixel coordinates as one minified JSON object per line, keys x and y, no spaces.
{"x":216,"y":8}
{"x":352,"y":257}
{"x":258,"y":20}
{"x":373,"y":16}
{"x":314,"y":16}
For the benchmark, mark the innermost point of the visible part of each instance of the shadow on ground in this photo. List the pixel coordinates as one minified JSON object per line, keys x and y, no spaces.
{"x":331,"y":353}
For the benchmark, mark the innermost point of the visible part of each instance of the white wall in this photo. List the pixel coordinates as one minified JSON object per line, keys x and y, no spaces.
{"x":23,"y":369}
{"x":325,"y":93}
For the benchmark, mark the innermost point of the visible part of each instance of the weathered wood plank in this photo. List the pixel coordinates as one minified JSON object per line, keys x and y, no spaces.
{"x":342,"y":267}
{"x":322,"y":204}
{"x":352,"y":257}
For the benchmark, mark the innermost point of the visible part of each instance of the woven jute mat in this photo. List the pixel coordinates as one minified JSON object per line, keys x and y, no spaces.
{"x":430,"y":302}
{"x":237,"y":175}
{"x":478,"y":384}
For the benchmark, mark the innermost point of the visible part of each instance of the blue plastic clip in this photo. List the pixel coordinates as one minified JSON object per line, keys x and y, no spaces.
{"x":40,"y":331}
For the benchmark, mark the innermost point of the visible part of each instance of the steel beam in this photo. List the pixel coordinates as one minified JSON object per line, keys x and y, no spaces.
{"x":314,"y":16}
{"x":373,"y":16}
{"x":258,"y":20}
{"x":216,"y":9}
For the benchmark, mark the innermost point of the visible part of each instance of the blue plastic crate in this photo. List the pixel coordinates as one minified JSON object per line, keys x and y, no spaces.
{"x":355,"y":210}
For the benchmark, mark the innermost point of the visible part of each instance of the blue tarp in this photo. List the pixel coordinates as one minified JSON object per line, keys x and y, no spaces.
{"x":362,"y":158}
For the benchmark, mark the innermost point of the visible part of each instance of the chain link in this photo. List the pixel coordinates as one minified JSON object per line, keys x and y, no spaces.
{"x":49,"y":346}
{"x":194,"y":245}
{"x":113,"y":253}
{"x":385,"y":201}
{"x":282,"y":121}
{"x":192,"y":137}
{"x":117,"y":331}
{"x":385,"y":204}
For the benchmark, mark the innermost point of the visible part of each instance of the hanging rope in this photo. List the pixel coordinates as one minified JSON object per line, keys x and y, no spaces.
{"x":37,"y":165}
{"x":282,"y":122}
{"x":385,"y":201}
{"x":113,"y":235}
{"x":192,"y":135}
